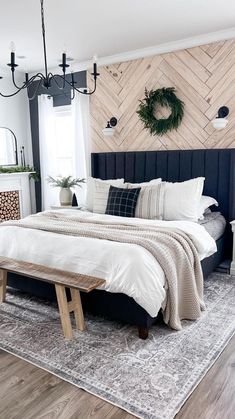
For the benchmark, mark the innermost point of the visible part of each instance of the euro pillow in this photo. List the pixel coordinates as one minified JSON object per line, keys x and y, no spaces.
{"x":90,"y":189}
{"x":205,"y":203}
{"x":182,"y":200}
{"x":122,"y":202}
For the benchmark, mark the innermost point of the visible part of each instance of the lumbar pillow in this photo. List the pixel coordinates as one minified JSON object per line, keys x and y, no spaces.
{"x":205,"y":203}
{"x":181,"y":201}
{"x":100,"y":195}
{"x":90,"y":189}
{"x":122,"y":202}
{"x":150,"y":203}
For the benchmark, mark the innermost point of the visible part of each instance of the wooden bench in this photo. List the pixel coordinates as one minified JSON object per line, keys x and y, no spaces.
{"x":62,"y":280}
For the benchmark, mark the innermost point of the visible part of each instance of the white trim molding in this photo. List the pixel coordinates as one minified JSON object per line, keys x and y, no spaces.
{"x":194,"y":41}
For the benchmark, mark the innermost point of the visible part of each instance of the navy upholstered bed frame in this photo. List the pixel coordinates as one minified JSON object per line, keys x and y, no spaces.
{"x":218,"y":168}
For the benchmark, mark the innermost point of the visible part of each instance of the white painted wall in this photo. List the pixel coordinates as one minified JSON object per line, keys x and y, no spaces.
{"x":14,"y":114}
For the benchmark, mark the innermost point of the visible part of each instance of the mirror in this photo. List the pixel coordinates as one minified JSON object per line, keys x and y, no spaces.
{"x":8,"y":147}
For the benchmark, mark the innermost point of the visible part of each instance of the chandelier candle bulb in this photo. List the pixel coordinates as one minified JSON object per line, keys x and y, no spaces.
{"x":12,"y":47}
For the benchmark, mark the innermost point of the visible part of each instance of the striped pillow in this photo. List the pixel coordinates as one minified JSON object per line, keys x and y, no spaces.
{"x":150,"y":204}
{"x":90,"y":189}
{"x":100,"y":195}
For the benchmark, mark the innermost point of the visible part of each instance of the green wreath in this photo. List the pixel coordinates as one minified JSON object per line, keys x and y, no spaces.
{"x":164,"y":97}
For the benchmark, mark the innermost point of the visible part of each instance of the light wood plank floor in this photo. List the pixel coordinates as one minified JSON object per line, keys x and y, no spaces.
{"x":27,"y":392}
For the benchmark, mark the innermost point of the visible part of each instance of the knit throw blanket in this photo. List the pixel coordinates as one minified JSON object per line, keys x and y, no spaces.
{"x":172,"y":248}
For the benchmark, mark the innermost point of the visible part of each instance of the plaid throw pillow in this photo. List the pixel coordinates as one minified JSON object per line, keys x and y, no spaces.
{"x":122,"y":202}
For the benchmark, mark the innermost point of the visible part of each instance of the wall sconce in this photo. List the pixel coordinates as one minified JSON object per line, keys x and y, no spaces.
{"x":109,"y":129}
{"x":220,"y":121}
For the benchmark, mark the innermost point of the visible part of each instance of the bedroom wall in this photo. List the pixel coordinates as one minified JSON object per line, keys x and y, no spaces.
{"x":205,"y":80}
{"x":14,"y":114}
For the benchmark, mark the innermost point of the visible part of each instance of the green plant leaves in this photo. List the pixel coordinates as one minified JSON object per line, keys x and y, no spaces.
{"x":65,"y":182}
{"x":164,"y":97}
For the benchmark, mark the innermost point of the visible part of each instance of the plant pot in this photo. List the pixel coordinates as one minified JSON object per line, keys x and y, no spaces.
{"x":66,"y":196}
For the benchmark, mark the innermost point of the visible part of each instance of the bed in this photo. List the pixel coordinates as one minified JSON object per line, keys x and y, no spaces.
{"x":219,"y":170}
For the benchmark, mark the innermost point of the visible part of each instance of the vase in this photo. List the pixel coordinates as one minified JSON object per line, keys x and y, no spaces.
{"x":65,"y":196}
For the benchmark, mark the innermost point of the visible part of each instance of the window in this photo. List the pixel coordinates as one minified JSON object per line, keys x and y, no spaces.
{"x":64,"y":141}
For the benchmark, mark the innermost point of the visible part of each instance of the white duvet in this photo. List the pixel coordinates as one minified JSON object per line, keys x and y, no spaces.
{"x":127,"y":268}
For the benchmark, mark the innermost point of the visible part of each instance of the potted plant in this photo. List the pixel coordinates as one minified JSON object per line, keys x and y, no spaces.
{"x":65,"y":184}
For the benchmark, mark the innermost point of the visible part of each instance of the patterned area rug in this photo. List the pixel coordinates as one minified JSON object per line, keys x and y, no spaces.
{"x":150,"y":379}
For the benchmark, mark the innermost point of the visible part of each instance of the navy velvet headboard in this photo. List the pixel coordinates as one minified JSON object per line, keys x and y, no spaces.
{"x":217,"y":166}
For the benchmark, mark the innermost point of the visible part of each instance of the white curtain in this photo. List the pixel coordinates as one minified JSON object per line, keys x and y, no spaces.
{"x":46,"y":145}
{"x":82,"y":160}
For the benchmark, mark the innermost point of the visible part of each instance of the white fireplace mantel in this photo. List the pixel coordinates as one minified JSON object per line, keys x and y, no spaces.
{"x":18,"y":182}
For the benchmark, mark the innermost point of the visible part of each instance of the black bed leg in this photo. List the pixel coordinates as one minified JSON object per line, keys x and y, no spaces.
{"x":143,"y":332}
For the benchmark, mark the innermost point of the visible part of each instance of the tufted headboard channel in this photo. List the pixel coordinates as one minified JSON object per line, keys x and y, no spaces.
{"x":217,"y":166}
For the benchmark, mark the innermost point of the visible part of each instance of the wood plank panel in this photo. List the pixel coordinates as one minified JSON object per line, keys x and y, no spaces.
{"x":204,"y":78}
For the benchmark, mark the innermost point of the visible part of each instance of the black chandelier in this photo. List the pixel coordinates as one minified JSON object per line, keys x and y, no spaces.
{"x":45,"y":80}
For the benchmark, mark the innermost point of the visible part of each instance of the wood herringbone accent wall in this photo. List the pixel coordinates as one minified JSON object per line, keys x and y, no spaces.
{"x":205,"y":80}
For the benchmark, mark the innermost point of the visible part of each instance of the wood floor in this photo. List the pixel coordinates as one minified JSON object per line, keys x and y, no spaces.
{"x":27,"y":392}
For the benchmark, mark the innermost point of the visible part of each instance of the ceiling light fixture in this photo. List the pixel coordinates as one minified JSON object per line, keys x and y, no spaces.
{"x":45,"y":80}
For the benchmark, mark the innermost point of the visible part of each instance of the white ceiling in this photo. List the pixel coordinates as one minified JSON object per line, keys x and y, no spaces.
{"x":105,"y":27}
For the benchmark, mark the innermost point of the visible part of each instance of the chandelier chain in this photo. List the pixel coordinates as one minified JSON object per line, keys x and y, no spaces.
{"x":44,"y":38}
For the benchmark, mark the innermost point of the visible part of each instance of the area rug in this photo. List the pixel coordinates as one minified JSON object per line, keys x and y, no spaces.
{"x":150,"y":379}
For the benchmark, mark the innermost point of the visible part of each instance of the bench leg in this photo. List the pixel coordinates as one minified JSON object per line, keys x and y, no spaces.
{"x":3,"y":285}
{"x":64,"y":311}
{"x":77,"y":309}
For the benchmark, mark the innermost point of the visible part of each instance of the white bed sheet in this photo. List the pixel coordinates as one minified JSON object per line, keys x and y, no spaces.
{"x":127,"y":268}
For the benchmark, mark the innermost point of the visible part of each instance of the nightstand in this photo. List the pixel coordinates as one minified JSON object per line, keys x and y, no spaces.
{"x":232,"y":268}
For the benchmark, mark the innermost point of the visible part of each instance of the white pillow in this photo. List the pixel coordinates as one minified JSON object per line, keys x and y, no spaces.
{"x":139,"y":185}
{"x":205,"y":203}
{"x":90,"y":189}
{"x":100,"y":195}
{"x":181,"y":201}
{"x":150,"y":202}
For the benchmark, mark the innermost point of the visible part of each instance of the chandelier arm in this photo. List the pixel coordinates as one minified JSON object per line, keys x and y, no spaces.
{"x":86,"y":92}
{"x":67,"y":96}
{"x":54,"y":76}
{"x":77,"y":90}
{"x":31,"y":80}
{"x":12,"y":94}
{"x":26,"y":84}
{"x":19,"y":89}
{"x":39,"y":75}
{"x":13,"y":81}
{"x":36,"y":91}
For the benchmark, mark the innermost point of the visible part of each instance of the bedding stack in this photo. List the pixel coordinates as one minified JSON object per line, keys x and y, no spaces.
{"x":156,"y":200}
{"x":143,"y":239}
